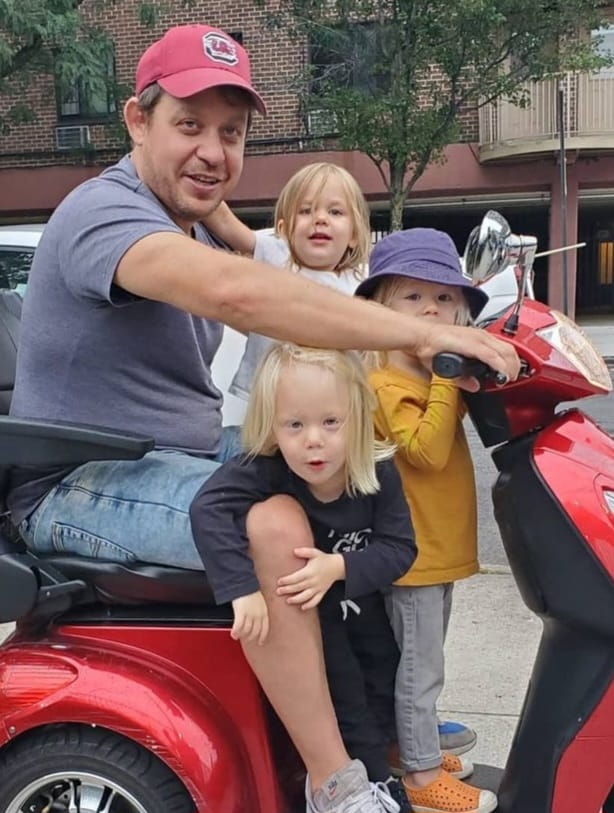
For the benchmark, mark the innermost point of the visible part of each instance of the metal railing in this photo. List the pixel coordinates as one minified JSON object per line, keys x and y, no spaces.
{"x":589,"y":113}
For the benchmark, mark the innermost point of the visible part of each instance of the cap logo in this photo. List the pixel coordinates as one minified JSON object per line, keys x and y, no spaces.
{"x":220,"y":49}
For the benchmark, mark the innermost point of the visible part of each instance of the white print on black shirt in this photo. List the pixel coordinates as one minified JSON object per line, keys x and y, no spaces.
{"x":347,"y":605}
{"x":354,"y":540}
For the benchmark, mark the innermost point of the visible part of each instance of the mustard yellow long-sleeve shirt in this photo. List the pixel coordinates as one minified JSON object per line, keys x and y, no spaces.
{"x":424,"y":419}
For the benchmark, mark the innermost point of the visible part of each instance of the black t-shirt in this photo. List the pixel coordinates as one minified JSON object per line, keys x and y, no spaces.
{"x":372,"y":532}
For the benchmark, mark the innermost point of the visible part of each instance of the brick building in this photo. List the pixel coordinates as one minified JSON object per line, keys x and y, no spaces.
{"x":508,"y":158}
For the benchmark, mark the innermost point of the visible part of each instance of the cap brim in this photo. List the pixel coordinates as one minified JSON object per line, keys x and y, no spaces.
{"x":187,"y":83}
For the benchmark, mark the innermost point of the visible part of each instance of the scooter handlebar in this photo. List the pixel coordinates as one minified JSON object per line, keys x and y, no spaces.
{"x":453,"y":365}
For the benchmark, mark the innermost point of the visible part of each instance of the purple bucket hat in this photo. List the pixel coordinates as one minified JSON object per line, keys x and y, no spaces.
{"x":425,"y":254}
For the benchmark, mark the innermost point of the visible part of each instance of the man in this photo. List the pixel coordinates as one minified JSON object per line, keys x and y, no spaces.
{"x":120,"y":324}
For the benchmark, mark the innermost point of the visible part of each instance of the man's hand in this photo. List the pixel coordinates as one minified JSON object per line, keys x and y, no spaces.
{"x":251,"y":618}
{"x":308,"y":585}
{"x":468,"y":341}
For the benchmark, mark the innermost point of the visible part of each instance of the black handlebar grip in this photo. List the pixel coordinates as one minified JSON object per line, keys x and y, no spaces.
{"x":453,"y":365}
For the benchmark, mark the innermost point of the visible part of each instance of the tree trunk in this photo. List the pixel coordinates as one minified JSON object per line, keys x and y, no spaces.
{"x":397,"y":195}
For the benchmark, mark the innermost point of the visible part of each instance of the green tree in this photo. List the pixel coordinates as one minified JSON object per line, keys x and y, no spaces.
{"x":48,"y":37}
{"x":392,"y":77}
{"x":59,"y":38}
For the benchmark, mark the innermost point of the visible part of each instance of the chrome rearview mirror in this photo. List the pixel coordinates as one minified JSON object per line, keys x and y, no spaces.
{"x":487,"y":251}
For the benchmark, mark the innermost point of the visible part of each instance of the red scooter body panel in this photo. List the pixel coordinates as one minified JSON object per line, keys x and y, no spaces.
{"x":576,"y":459}
{"x":588,"y":755}
{"x":558,"y":531}
{"x":531,"y":400}
{"x":184,"y":693}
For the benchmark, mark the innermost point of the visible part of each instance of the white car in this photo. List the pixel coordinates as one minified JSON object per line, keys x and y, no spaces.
{"x":17,"y":247}
{"x":502,"y":290}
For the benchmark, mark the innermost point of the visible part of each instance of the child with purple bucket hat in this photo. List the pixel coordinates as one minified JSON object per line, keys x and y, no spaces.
{"x":418,"y":272}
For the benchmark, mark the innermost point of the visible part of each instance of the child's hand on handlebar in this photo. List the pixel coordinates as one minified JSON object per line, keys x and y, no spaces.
{"x":251,"y":618}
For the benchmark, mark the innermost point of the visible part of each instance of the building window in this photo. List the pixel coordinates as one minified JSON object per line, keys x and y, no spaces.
{"x":93,"y":101}
{"x":346,"y":57}
{"x":605,"y":262}
{"x":605,"y":48}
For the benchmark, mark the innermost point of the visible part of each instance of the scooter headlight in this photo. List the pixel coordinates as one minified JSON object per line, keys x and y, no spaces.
{"x":574,"y":344}
{"x":609,"y":500}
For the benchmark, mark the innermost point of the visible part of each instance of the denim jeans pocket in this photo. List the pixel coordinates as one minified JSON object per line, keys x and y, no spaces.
{"x":68,"y":539}
{"x":24,"y":531}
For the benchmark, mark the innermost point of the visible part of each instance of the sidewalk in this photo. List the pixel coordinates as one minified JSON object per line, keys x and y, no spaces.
{"x":490,"y":650}
{"x":601,"y":333}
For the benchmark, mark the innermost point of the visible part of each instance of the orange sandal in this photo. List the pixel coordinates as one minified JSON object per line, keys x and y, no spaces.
{"x":458,"y":767}
{"x":448,"y":795}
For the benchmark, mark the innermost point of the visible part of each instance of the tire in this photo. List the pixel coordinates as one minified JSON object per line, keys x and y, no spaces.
{"x":86,"y":770}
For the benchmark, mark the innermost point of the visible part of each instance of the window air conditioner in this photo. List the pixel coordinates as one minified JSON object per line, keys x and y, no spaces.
{"x":322,"y":122}
{"x":72,"y":137}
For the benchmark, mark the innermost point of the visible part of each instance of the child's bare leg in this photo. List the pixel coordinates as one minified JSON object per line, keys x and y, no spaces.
{"x":422,"y":778}
{"x":290,"y":665}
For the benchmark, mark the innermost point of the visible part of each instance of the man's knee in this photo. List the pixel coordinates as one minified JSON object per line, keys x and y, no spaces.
{"x":281,"y":520}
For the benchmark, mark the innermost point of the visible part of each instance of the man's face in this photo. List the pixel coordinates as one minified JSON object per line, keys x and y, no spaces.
{"x":189,"y":151}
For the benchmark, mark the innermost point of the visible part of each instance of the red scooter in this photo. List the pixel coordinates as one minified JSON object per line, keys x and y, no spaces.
{"x":122,"y":692}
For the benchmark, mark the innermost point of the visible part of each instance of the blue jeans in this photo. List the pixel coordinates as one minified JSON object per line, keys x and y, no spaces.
{"x":127,"y":510}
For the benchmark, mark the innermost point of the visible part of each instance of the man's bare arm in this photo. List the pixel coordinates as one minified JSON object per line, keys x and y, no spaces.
{"x":253,"y":296}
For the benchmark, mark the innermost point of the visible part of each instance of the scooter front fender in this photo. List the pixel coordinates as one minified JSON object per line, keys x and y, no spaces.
{"x":146,"y":699}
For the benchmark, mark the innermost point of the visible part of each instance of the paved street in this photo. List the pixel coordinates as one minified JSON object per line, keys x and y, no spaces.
{"x":491,"y":550}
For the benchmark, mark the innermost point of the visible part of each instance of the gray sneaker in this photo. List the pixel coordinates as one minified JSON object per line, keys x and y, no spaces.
{"x":456,"y":738}
{"x":349,"y":791}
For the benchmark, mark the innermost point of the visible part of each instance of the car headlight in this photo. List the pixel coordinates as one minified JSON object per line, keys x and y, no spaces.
{"x":574,"y":344}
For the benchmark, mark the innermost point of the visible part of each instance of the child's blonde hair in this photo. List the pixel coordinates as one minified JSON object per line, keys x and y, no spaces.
{"x":384,"y":293}
{"x":315,"y":176}
{"x":363,"y":450}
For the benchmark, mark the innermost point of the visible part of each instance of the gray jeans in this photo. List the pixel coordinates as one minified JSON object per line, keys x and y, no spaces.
{"x":419,"y":618}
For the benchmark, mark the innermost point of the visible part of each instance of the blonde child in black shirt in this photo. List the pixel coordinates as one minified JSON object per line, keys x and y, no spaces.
{"x":308,"y":435}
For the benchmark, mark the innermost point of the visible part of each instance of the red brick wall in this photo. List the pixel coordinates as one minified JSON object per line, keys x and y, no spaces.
{"x":276,"y":60}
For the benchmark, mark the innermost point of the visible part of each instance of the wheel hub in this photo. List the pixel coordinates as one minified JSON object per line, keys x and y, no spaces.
{"x":74,"y":793}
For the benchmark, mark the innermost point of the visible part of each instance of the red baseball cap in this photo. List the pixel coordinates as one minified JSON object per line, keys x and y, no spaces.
{"x":191,"y":58}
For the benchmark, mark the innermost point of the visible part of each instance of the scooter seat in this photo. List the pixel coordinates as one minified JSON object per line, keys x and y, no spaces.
{"x":135,"y":582}
{"x":45,"y":586}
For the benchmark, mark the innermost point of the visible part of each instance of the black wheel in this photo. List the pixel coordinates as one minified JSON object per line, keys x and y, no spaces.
{"x":79,"y":769}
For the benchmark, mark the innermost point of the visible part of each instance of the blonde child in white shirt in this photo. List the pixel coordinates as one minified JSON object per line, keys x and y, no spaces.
{"x":321,"y":231}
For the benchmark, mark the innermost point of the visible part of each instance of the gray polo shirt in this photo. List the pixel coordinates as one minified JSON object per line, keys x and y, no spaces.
{"x":92,"y":353}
